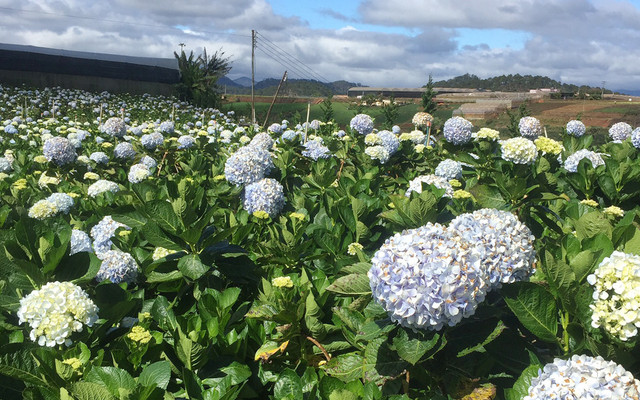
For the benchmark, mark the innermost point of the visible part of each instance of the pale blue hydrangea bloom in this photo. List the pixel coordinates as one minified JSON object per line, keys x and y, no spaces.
{"x":62,"y":201}
{"x":117,"y":266}
{"x":114,"y":127}
{"x":80,"y":242}
{"x":635,"y":138}
{"x":529,"y":127}
{"x":5,"y":165}
{"x":102,"y":186}
{"x":449,"y":169}
{"x":389,"y":141}
{"x":571,"y":163}
{"x":262,"y":141}
{"x":124,"y":151}
{"x":576,"y":128}
{"x":315,"y":149}
{"x":457,"y":130}
{"x":138,"y":173}
{"x":415,"y":185}
{"x":289,"y":135}
{"x":264,"y":195}
{"x":59,"y":150}
{"x":186,"y":142}
{"x":248,"y":164}
{"x":152,"y":140}
{"x":10,"y":129}
{"x":167,"y":127}
{"x":148,"y":161}
{"x":103,"y":232}
{"x":275,"y":128}
{"x":99,"y":157}
{"x":361,"y":123}
{"x":620,"y":131}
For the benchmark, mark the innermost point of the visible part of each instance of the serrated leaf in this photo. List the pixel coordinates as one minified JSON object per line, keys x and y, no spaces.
{"x":157,"y":277}
{"x":591,"y":224}
{"x":158,"y":374}
{"x":534,"y":307}
{"x":163,"y":314}
{"x":583,"y":264}
{"x":358,"y":268}
{"x":288,"y":386}
{"x":480,"y":346}
{"x":380,"y":362}
{"x":162,"y":213}
{"x":191,"y":266}
{"x":346,"y":367}
{"x":352,"y":284}
{"x":412,"y":346}
{"x":110,"y":377}
{"x":90,"y":391}
{"x":488,"y":196}
{"x":521,"y":387}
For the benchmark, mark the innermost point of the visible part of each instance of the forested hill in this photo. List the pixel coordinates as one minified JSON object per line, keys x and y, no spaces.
{"x":510,"y":83}
{"x":293,"y":87}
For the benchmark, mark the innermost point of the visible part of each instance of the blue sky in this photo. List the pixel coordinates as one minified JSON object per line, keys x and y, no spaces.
{"x":372,"y":42}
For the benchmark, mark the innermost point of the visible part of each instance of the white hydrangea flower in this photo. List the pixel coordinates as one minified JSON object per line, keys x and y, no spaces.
{"x":55,"y":311}
{"x":519,"y":150}
{"x":616,"y":295}
{"x":415,"y":185}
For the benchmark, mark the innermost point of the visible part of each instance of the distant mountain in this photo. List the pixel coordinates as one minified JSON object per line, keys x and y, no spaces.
{"x":292,"y":87}
{"x":244,"y":81}
{"x":628,"y":92}
{"x":224,"y":81}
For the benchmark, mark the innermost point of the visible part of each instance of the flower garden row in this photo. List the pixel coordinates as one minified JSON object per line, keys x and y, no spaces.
{"x":155,"y":250}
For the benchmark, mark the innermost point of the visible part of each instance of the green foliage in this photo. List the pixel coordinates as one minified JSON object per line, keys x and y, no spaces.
{"x":198,"y":77}
{"x":429,"y":105}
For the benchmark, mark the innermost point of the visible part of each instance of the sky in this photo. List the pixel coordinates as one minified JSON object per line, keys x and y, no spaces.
{"x":370,"y":42}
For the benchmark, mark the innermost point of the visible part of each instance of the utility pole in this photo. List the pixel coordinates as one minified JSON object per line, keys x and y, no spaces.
{"x":253,"y":72}
{"x":284,"y":78}
{"x":181,"y":47}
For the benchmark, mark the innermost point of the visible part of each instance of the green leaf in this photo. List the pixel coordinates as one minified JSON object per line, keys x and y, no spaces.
{"x":412,"y":346}
{"x":158,"y":277}
{"x":358,"y":268}
{"x":158,"y":374}
{"x":346,"y":367}
{"x":133,"y":219}
{"x":480,"y":346}
{"x":535,"y":307}
{"x":163,"y":314}
{"x":162,"y":212}
{"x":192,"y":354}
{"x":152,"y":233}
{"x":583,"y":264}
{"x":488,"y":196}
{"x":591,"y":224}
{"x":288,"y":386}
{"x":237,"y":372}
{"x":17,"y":362}
{"x":521,"y":387}
{"x":90,"y":391}
{"x":380,"y":362}
{"x":560,"y":275}
{"x":352,"y":284}
{"x":191,"y":266}
{"x":228,"y":297}
{"x":112,"y":378}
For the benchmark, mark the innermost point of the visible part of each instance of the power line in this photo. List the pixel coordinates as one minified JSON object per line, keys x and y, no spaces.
{"x":277,"y":49}
{"x":118,"y":22}
{"x":286,"y":63}
{"x":276,"y":59}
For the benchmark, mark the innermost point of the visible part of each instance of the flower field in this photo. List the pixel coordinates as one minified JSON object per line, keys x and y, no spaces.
{"x":155,"y":250}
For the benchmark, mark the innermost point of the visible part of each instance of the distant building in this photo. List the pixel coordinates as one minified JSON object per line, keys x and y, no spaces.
{"x":409,"y":93}
{"x":42,"y":67}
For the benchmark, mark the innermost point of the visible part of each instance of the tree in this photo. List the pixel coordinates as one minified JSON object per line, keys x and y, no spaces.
{"x":198,"y":77}
{"x":390,"y":111}
{"x":327,"y":109}
{"x":428,"y":104}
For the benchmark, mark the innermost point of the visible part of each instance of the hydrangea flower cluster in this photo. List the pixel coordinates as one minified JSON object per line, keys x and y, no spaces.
{"x":275,"y":128}
{"x":80,"y":242}
{"x":138,"y":173}
{"x":152,"y":141}
{"x":99,"y":157}
{"x":61,"y":201}
{"x":529,"y":127}
{"x":59,"y":150}
{"x":449,"y":169}
{"x":248,"y":164}
{"x":486,"y":134}
{"x":378,"y":152}
{"x":583,"y":377}
{"x":576,"y":128}
{"x":422,"y":119}
{"x":457,"y":130}
{"x":262,"y":141}
{"x":507,"y":244}
{"x":434,"y":276}
{"x":415,"y":185}
{"x":148,"y":161}
{"x":382,"y":145}
{"x":616,"y":295}
{"x":571,"y":163}
{"x":519,"y":150}
{"x":416,"y":137}
{"x":186,"y":142}
{"x":389,"y":141}
{"x":114,"y":126}
{"x":5,"y":164}
{"x":264,"y":195}
{"x":289,"y":135}
{"x":635,"y":138}
{"x":124,"y":151}
{"x":548,"y":146}
{"x":55,"y":311}
{"x":372,"y":139}
{"x":117,"y":266}
{"x":426,"y":278}
{"x":161,"y":252}
{"x":620,"y":131}
{"x":315,"y":149}
{"x":167,"y":127}
{"x":102,"y":233}
{"x":52,"y":205}
{"x":361,"y":123}
{"x":102,"y":186}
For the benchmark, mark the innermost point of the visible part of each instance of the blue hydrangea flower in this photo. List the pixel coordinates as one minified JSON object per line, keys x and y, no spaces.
{"x":571,"y":163}
{"x":315,"y":125}
{"x":635,"y":138}
{"x":289,"y":135}
{"x":117,"y":266}
{"x":114,"y":127}
{"x":576,"y":128}
{"x":262,"y":141}
{"x":361,"y":123}
{"x":152,"y":140}
{"x":149,"y":162}
{"x":248,"y":164}
{"x":59,"y":150}
{"x":315,"y":149}
{"x":103,"y":232}
{"x":340,"y":134}
{"x":395,"y":129}
{"x":389,"y":141}
{"x":457,"y":130}
{"x":449,"y":169}
{"x":62,"y":201}
{"x":264,"y":195}
{"x":167,"y":127}
{"x":427,"y":278}
{"x":620,"y":131}
{"x":80,"y":242}
{"x":5,"y":165}
{"x":186,"y":142}
{"x":378,"y":152}
{"x":124,"y":151}
{"x":99,"y":157}
{"x":10,"y":129}
{"x":101,"y":186}
{"x":275,"y":128}
{"x":506,"y":244}
{"x":529,"y":127}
